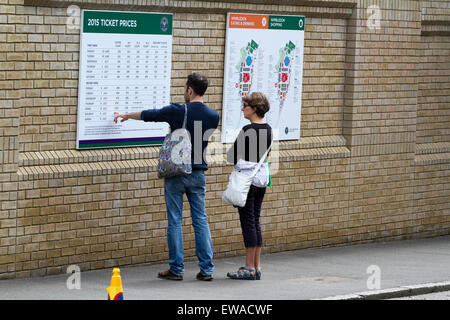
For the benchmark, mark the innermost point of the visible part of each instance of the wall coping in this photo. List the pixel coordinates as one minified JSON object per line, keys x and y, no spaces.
{"x":312,"y":8}
{"x":61,"y":157}
{"x":74,"y":163}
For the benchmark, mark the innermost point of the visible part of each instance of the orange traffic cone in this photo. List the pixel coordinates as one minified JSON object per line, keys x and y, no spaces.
{"x":115,"y":290}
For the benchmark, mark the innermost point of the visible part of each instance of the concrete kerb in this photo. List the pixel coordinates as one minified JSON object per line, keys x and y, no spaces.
{"x":403,"y":291}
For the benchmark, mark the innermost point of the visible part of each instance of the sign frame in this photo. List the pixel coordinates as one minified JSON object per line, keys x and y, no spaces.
{"x":123,"y":25}
{"x":258,"y":29}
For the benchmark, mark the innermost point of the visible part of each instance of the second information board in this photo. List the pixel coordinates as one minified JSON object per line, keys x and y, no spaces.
{"x":264,"y":53}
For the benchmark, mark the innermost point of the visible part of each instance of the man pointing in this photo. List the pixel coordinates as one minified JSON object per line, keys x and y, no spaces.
{"x":193,"y":185}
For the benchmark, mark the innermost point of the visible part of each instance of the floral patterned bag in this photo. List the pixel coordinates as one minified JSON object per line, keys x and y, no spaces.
{"x":175,"y":153}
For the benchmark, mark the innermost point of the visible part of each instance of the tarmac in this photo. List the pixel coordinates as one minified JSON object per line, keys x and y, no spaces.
{"x":365,"y":271}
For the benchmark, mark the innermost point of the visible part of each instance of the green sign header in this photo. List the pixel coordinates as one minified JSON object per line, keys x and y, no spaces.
{"x":127,"y":22}
{"x":286,"y":22}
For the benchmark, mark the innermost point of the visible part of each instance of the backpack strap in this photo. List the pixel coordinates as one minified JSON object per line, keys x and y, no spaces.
{"x":185,"y":116}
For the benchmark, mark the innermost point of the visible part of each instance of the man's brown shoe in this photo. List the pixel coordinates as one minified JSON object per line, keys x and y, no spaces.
{"x":202,"y":277}
{"x":168,"y":275}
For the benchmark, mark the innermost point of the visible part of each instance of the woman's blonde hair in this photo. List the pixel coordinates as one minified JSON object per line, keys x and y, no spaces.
{"x":259,"y":102}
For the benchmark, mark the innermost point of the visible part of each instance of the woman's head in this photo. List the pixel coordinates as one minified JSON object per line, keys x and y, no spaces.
{"x":255,"y":104}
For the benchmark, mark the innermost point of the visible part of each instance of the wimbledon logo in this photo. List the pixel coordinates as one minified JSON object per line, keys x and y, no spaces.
{"x":164,"y":24}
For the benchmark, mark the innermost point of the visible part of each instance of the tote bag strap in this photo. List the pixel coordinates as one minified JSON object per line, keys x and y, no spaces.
{"x":255,"y":171}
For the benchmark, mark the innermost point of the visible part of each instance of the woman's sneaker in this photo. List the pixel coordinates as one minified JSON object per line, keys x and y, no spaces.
{"x":258,"y":274}
{"x":244,"y":273}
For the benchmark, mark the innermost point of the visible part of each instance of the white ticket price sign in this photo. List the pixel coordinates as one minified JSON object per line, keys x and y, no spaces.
{"x":264,"y":53}
{"x":125,"y":66}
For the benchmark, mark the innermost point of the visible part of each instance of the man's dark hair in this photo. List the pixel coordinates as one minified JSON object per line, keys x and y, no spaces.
{"x":198,"y":83}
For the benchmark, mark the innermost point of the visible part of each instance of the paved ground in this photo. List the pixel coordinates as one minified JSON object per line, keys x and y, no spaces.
{"x":431,"y":296}
{"x":292,"y":275}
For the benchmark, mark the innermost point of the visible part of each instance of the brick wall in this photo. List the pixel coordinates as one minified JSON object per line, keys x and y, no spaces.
{"x":431,"y":162}
{"x":372,"y":163}
{"x":433,"y":114}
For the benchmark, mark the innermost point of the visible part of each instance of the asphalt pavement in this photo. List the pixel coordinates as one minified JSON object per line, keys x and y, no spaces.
{"x":377,"y":270}
{"x":445,"y":295}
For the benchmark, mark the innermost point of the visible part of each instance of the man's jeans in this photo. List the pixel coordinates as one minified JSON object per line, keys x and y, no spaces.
{"x":194,"y":185}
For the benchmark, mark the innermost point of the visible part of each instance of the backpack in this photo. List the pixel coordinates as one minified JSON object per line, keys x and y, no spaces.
{"x":174,"y":157}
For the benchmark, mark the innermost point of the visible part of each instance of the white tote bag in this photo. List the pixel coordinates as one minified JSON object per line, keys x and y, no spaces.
{"x":239,"y":185}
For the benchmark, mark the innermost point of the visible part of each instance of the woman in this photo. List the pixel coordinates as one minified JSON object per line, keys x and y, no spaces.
{"x":250,"y":146}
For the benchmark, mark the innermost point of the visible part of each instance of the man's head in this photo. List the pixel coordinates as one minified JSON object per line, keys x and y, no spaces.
{"x":195,"y":86}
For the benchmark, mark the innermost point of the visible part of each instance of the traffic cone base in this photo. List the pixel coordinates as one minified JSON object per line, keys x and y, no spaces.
{"x":118,"y":296}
